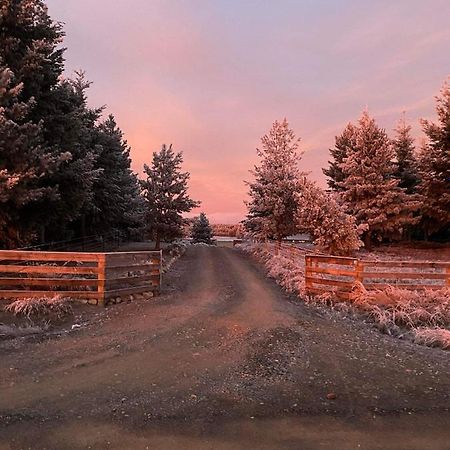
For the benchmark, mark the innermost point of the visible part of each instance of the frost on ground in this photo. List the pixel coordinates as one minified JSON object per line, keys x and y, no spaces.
{"x":422,"y":316}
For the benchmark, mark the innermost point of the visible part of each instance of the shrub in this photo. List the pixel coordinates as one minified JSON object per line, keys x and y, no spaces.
{"x":433,"y":337}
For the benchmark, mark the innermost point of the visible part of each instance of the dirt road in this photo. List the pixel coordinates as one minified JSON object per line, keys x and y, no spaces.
{"x":222,"y":360}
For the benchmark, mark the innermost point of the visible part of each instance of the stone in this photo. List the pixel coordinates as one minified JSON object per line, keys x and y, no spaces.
{"x":93,"y":301}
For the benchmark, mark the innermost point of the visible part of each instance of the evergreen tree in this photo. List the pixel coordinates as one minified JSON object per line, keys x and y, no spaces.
{"x":202,"y":231}
{"x":166,"y":198}
{"x":117,"y":204}
{"x":434,"y":165}
{"x":369,"y":191}
{"x":320,"y":215}
{"x":345,"y":144}
{"x":71,"y":125}
{"x":273,"y":200}
{"x":30,"y":47}
{"x":23,"y":161}
{"x":406,"y":170}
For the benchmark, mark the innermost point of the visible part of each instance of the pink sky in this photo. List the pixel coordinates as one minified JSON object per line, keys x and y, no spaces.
{"x":210,"y":77}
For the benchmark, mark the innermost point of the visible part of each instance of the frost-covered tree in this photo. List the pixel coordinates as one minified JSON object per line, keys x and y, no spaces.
{"x":70,"y":125}
{"x":201,"y":230}
{"x":434,"y":165}
{"x":273,"y":201}
{"x":320,"y":215}
{"x":345,"y":143}
{"x":30,"y":46}
{"x":406,"y":170}
{"x":369,"y":190}
{"x":166,"y":198}
{"x":24,"y":160}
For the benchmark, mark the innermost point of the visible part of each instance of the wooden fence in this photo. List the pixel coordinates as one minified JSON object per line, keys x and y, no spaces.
{"x":97,"y":277}
{"x":337,"y":274}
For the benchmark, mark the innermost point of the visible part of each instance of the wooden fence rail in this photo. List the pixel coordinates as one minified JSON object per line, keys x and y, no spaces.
{"x":94,"y":276}
{"x":337,"y":274}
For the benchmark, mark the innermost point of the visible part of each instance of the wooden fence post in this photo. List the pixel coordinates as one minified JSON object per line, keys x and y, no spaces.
{"x":308,"y":265}
{"x":359,"y":269}
{"x":101,"y":275}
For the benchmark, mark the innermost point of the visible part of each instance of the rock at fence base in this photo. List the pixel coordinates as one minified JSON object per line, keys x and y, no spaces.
{"x":118,"y":299}
{"x":131,"y":298}
{"x":93,"y":301}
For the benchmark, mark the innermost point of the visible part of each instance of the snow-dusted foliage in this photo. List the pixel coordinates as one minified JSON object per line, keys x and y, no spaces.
{"x":406,"y":170}
{"x":166,"y":198}
{"x":345,"y":144}
{"x":369,"y":191}
{"x":435,"y":168}
{"x":289,"y":273}
{"x":201,"y":230}
{"x":23,"y":161}
{"x":320,"y":215}
{"x":273,"y":193}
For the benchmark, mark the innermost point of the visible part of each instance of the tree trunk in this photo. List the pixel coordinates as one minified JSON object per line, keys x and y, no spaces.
{"x":368,"y":242}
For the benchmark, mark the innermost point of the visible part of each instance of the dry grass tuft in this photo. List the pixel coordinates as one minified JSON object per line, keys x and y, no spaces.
{"x":405,"y":308}
{"x":53,"y":308}
{"x":433,"y":337}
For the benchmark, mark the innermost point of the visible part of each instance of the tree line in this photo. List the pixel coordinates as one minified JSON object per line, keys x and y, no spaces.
{"x":65,"y":169}
{"x":381,"y":189}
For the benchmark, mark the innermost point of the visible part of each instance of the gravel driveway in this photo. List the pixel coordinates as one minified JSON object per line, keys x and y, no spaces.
{"x":223,"y":359}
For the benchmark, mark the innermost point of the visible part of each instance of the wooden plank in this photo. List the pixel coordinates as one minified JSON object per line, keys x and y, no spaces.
{"x":49,"y":270}
{"x":416,"y":287}
{"x":404,"y":275}
{"x":332,"y":271}
{"x":48,"y":294}
{"x":128,"y":266}
{"x":340,"y":260}
{"x":24,"y":255}
{"x":411,"y":264}
{"x":129,"y":291}
{"x":328,"y":282}
{"x":150,"y":279}
{"x":71,"y":282}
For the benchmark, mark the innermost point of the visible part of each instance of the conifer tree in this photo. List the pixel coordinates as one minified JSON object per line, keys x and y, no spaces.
{"x":30,"y":47}
{"x":406,"y":170}
{"x":70,"y":125}
{"x":273,"y":201}
{"x":202,"y":231}
{"x":23,"y":161}
{"x":166,"y":198}
{"x":320,"y":215}
{"x":345,"y":144}
{"x":369,"y":191}
{"x":434,"y":165}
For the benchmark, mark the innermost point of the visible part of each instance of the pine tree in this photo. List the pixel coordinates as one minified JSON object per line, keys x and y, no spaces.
{"x":71,"y":125}
{"x":273,"y":202}
{"x":320,"y":215}
{"x":345,"y":144}
{"x":23,"y":161}
{"x":30,"y":46}
{"x":202,"y":231}
{"x":434,"y":165}
{"x":369,"y":191}
{"x":166,"y":198}
{"x":117,"y":204}
{"x":406,"y":170}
